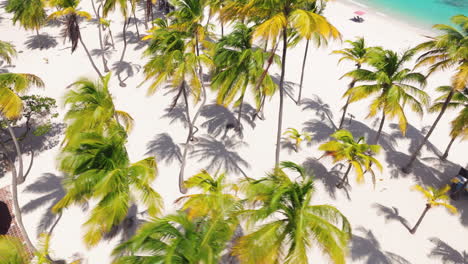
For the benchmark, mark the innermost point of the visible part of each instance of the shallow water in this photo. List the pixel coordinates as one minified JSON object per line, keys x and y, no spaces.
{"x":426,"y":12}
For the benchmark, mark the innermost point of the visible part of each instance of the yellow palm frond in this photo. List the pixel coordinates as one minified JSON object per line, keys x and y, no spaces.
{"x":10,"y":104}
{"x":271,"y":28}
{"x":422,"y":190}
{"x":126,"y":120}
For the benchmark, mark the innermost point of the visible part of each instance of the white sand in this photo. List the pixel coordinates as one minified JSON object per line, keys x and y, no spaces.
{"x":388,"y":238}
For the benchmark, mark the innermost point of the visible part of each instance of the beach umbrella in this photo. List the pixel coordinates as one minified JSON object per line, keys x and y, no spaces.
{"x":360,"y":13}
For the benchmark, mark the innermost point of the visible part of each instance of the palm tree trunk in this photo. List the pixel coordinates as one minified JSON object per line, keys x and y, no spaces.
{"x":19,"y":154}
{"x":413,"y":230}
{"x":345,"y":108}
{"x":448,"y":148}
{"x":302,"y":72}
{"x":379,"y":132}
{"x":135,"y":22}
{"x":124,"y":33}
{"x":182,"y":188}
{"x":281,"y":94}
{"x":222,"y":29}
{"x":407,"y":168}
{"x":101,"y":43}
{"x":37,"y":32}
{"x":345,"y":178}
{"x":89,"y":57}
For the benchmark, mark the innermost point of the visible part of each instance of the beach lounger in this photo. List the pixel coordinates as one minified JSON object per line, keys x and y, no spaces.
{"x":459,"y":184}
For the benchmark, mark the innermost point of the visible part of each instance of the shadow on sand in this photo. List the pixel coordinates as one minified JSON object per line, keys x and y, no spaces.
{"x":41,"y":42}
{"x":367,"y":249}
{"x":446,"y":253}
{"x":164,"y":149}
{"x":219,"y":119}
{"x":220,"y":154}
{"x":391,"y":214}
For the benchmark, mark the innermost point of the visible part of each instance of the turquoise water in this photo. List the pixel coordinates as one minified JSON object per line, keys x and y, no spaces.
{"x":427,"y":12}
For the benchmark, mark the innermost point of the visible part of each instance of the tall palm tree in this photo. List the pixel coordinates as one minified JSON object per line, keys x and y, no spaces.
{"x":238,"y":65}
{"x":460,"y":123}
{"x":98,"y":165}
{"x":199,"y":234}
{"x":317,"y":7}
{"x":448,"y":50}
{"x":29,"y":13}
{"x":7,"y":51}
{"x":173,"y":56}
{"x":283,"y":17}
{"x":68,"y":9}
{"x":356,"y":54}
{"x":358,"y":155}
{"x":290,"y":225}
{"x":391,"y":86}
{"x":435,"y":198}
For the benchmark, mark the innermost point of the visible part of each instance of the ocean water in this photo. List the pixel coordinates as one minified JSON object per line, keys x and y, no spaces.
{"x":426,"y":12}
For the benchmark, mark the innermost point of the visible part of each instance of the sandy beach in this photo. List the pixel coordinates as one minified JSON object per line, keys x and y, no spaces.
{"x":376,"y":214}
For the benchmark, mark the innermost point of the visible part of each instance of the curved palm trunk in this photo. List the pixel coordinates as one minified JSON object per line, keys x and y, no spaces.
{"x":448,"y":148}
{"x":345,"y":107}
{"x":281,"y":93}
{"x":19,"y":154}
{"x":413,"y":230}
{"x":124,"y":33}
{"x":379,"y":132}
{"x":298,"y":102}
{"x":101,"y":43}
{"x":135,"y":22}
{"x":89,"y":57}
{"x":345,"y":177}
{"x":407,"y":168}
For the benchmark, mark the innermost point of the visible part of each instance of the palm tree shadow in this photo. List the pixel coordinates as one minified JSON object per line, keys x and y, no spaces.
{"x":289,"y":87}
{"x":131,"y":37}
{"x":446,"y":253}
{"x":41,"y":41}
{"x":329,"y":178}
{"x":391,"y":214}
{"x":415,"y":136}
{"x":176,"y":114}
{"x":164,"y":149}
{"x":49,"y":187}
{"x":130,"y":69}
{"x":221,"y":154}
{"x":367,"y":249}
{"x":107,"y":52}
{"x":432,"y":174}
{"x":219,"y":119}
{"x":128,"y":227}
{"x":321,"y":109}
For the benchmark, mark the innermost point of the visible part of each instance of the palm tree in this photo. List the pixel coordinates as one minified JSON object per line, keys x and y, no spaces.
{"x":282,"y":17}
{"x":391,"y":84}
{"x":176,"y":238}
{"x":7,"y":51}
{"x":199,"y":234}
{"x":357,"y":54}
{"x":172,"y":55}
{"x":447,"y":50}
{"x":238,"y":65}
{"x":317,"y":7}
{"x":297,"y":137}
{"x":358,"y":155}
{"x":290,"y":225}
{"x":69,"y":10}
{"x":434,"y":198}
{"x":29,"y":13}
{"x":92,"y":109}
{"x":458,"y":100}
{"x":98,"y":165}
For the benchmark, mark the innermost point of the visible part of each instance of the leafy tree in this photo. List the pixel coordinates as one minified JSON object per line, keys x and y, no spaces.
{"x":391,"y":86}
{"x":7,"y":51}
{"x":297,"y":137}
{"x":198,"y":234}
{"x":97,"y":163}
{"x":435,"y":198}
{"x":458,"y":100}
{"x":448,"y":50}
{"x":282,"y":17}
{"x":68,"y":9}
{"x":29,"y":13}
{"x":358,"y":155}
{"x":289,"y":224}
{"x":238,"y":65}
{"x":357,"y":54}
